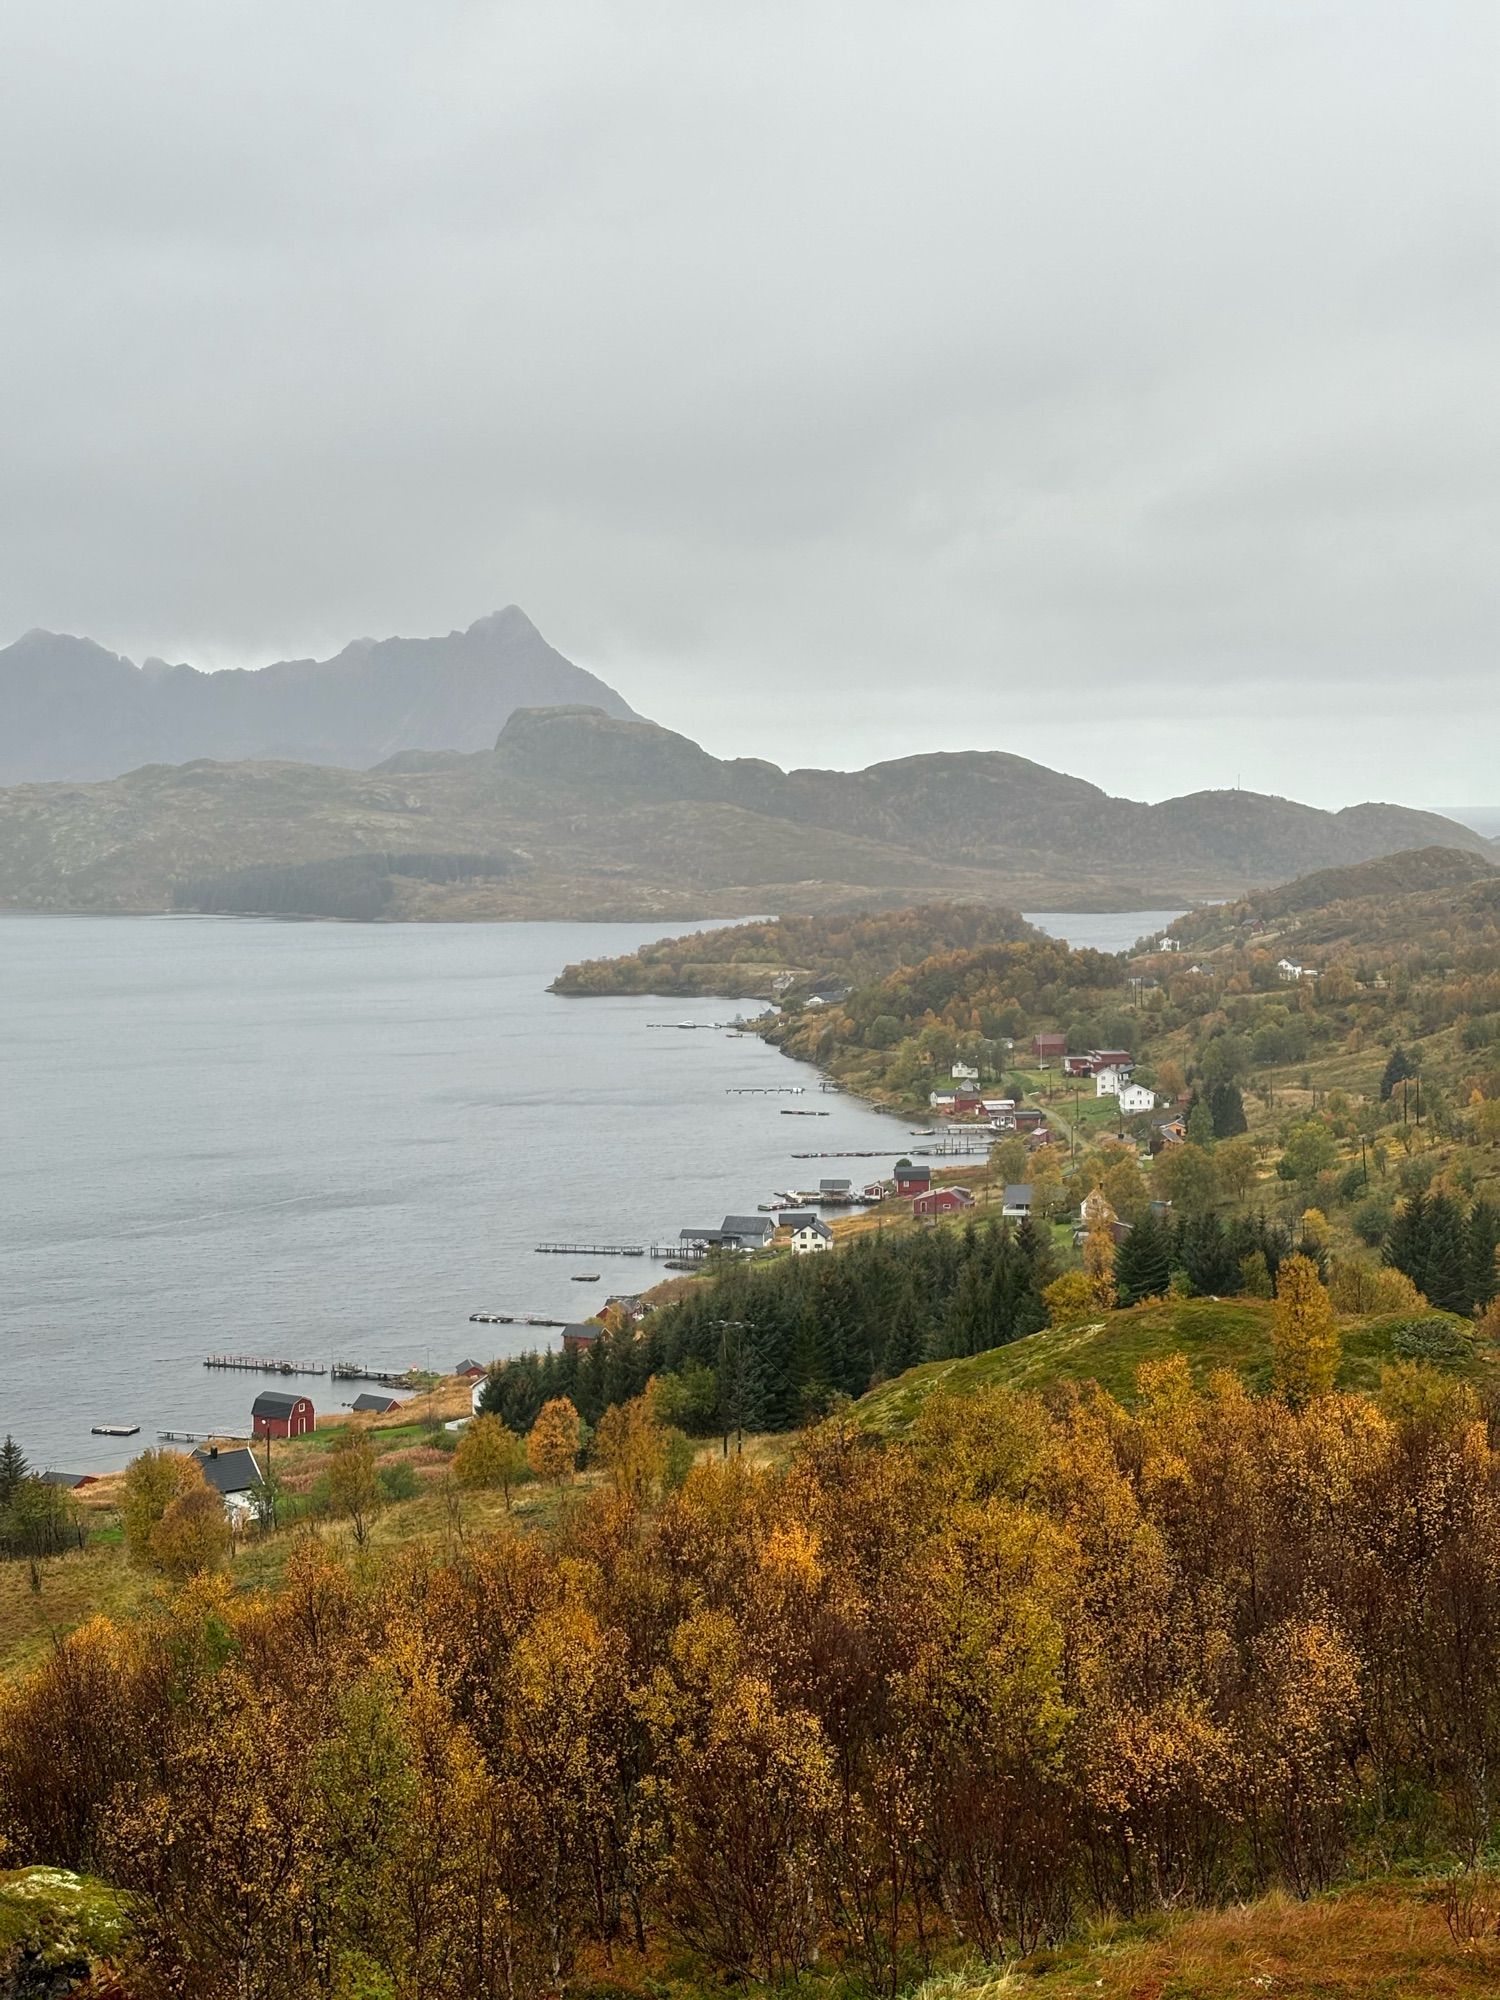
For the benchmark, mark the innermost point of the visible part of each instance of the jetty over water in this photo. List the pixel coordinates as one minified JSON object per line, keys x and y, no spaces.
{"x":591,"y":1249}
{"x":264,"y":1364}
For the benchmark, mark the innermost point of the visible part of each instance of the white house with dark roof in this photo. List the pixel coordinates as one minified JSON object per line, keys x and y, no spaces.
{"x":234,"y":1475}
{"x":1018,"y":1200}
{"x":813,"y":1235}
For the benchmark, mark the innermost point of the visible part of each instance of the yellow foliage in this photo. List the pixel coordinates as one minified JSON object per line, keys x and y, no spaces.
{"x":1305,"y":1336}
{"x":552,"y":1446}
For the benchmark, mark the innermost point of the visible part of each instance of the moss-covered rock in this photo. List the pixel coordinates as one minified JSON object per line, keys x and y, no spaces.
{"x":55,"y":1930}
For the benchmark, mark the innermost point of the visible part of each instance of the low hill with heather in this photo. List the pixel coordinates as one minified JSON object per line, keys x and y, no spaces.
{"x":1435,"y":900}
{"x":1232,"y":1335}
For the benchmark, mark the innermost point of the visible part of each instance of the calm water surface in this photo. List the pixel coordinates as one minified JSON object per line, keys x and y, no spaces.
{"x":336,"y":1141}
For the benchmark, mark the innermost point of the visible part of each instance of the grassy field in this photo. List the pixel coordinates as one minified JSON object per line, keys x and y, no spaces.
{"x":1387,"y":1940}
{"x":1212,"y":1333}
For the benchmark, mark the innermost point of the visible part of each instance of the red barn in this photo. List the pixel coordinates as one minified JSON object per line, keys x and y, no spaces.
{"x":280,"y":1413}
{"x":912,"y":1179}
{"x":942,"y":1201}
{"x":1045,"y":1046}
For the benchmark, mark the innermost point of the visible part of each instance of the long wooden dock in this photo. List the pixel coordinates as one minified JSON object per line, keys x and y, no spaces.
{"x":264,"y":1364}
{"x":591,"y":1249}
{"x":203,"y":1437}
{"x":513,"y":1319}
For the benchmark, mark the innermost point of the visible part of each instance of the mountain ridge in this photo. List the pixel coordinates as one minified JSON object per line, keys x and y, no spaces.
{"x":612,"y":816}
{"x":71,"y":710}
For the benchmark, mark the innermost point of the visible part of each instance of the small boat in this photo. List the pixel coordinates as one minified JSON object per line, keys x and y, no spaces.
{"x":585,"y":1277}
{"x":113,"y":1430}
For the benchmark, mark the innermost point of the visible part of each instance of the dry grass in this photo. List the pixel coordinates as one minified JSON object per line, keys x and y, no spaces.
{"x":1382,"y":1941}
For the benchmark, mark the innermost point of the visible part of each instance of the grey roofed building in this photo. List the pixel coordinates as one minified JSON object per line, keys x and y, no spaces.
{"x":228,"y":1472}
{"x":380,"y":1403}
{"x":834,"y":1186}
{"x":69,"y":1479}
{"x":275,"y":1403}
{"x":1018,"y":1198}
{"x":755,"y":1228}
{"x":795,"y":1218}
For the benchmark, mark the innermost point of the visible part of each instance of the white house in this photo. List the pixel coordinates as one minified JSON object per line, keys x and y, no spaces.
{"x":1134,"y":1098}
{"x":1018,"y":1198}
{"x":1110,"y":1081}
{"x":1291,"y":971}
{"x":235,"y":1476}
{"x":813,"y":1236}
{"x":962,"y":1073}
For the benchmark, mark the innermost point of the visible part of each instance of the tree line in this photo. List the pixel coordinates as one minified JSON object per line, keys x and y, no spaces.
{"x":766,"y":1347}
{"x":356,"y":887}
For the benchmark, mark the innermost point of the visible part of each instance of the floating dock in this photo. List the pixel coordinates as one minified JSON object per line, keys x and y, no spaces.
{"x":113,"y":1430}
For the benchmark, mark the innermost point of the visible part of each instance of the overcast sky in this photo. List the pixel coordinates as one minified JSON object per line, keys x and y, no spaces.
{"x":1112,"y":384}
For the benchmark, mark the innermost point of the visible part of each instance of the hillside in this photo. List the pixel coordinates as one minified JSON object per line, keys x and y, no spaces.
{"x":1433,"y":899}
{"x":1233,"y":1334}
{"x":71,"y":710}
{"x":793,"y":955}
{"x":604,"y":815}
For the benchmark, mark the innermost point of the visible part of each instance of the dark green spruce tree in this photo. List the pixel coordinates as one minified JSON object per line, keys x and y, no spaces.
{"x":1483,"y":1243}
{"x":1397,"y":1070}
{"x":1143,"y":1262}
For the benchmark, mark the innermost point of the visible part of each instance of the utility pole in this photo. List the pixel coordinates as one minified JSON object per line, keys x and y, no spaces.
{"x":731,"y":1401}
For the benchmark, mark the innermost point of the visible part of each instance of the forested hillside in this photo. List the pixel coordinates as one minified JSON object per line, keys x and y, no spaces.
{"x":803,"y":952}
{"x":894,"y":1708}
{"x":1436,"y":902}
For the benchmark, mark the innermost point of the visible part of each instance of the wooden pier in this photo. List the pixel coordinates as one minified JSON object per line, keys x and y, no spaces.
{"x":264,"y":1364}
{"x":203,"y":1437}
{"x":591,"y":1249}
{"x":513,"y":1319}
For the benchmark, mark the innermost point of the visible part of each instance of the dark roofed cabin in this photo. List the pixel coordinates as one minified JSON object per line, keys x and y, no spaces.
{"x":229,"y":1472}
{"x":376,"y":1403}
{"x":278,"y":1413}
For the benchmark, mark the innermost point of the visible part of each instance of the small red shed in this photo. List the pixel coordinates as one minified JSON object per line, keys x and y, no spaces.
{"x":280,"y":1413}
{"x":912,"y":1179}
{"x":1046,"y":1045}
{"x":942,"y":1201}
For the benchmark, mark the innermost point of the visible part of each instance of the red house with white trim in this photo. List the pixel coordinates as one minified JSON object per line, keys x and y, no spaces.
{"x":280,"y":1413}
{"x":942,"y":1201}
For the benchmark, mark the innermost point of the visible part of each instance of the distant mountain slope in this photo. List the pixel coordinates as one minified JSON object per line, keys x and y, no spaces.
{"x":1443,"y":900}
{"x":984,"y":809}
{"x":607,"y":815}
{"x":71,"y":710}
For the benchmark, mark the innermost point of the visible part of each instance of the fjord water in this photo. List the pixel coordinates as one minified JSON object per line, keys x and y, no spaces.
{"x":335,"y":1141}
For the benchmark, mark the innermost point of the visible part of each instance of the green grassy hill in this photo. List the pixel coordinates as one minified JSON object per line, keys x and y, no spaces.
{"x":1212,"y":1333}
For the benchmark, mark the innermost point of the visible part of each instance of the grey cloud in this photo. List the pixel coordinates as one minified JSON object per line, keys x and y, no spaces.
{"x":1110,"y":383}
